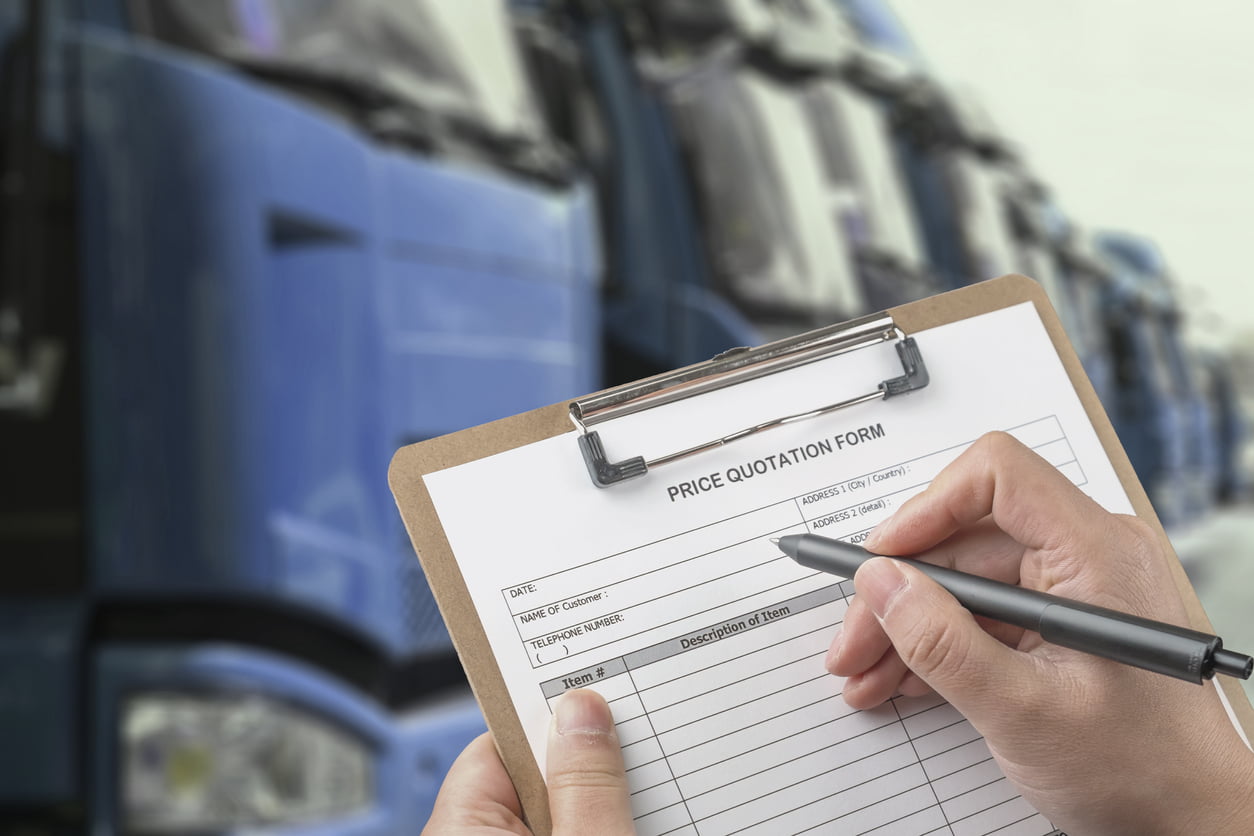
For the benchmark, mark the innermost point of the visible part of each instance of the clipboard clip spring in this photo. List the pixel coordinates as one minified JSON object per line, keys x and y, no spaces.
{"x":734,"y":367}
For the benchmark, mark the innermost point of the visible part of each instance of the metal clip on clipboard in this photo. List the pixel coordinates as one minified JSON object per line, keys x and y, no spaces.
{"x":737,"y":366}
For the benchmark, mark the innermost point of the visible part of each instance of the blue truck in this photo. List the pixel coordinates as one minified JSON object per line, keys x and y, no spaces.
{"x":1158,"y":409}
{"x":238,"y":275}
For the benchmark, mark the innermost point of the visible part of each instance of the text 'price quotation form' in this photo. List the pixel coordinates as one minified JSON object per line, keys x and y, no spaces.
{"x":665,"y":594}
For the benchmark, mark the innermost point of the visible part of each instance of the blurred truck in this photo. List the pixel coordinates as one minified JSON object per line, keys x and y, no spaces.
{"x":1158,"y":411}
{"x":250,"y":249}
{"x":750,"y":190}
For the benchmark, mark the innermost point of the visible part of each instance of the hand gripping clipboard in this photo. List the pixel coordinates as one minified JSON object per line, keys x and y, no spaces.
{"x":609,"y":467}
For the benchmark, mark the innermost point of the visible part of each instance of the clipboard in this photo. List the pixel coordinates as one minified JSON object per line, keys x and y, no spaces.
{"x":606,"y":468}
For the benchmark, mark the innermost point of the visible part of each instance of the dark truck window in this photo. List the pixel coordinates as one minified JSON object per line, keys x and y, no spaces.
{"x":748,"y":225}
{"x":41,"y":423}
{"x":834,"y":142}
{"x":396,"y":46}
{"x":440,"y":77}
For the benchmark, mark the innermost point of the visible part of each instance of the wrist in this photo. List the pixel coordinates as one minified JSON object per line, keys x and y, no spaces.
{"x":1223,"y":796}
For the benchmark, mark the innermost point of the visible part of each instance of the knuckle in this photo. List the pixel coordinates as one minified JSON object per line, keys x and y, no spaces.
{"x":1135,"y":548}
{"x":588,"y":779}
{"x":935,"y":646}
{"x":995,"y":447}
{"x":1143,"y":541}
{"x":999,"y":442}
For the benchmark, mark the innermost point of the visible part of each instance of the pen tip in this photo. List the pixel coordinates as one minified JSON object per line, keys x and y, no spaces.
{"x":775,"y":540}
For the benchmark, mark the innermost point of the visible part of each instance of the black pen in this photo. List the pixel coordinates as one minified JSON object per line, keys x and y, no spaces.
{"x":1140,"y":642}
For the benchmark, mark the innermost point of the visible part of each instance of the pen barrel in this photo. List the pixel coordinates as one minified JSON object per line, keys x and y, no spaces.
{"x":1141,"y":642}
{"x":1161,"y":648}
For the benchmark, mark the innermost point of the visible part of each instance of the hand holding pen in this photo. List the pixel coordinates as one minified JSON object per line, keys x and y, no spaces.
{"x":1075,"y":732}
{"x":1169,"y":649}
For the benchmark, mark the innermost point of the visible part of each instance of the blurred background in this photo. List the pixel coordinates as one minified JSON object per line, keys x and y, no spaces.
{"x":248,"y":248}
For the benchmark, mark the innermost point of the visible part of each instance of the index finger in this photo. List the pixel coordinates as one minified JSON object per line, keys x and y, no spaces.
{"x":1026,"y":496}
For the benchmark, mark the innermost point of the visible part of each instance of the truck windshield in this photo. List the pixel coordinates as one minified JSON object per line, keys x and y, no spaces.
{"x":438,"y":74}
{"x":750,"y":229}
{"x":1085,"y":289}
{"x":1159,"y":344}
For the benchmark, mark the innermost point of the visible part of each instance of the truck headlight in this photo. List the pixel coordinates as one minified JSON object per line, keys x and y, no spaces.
{"x":195,"y":763}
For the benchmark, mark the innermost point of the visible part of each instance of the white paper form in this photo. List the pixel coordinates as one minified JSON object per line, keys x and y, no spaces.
{"x":665,"y":594}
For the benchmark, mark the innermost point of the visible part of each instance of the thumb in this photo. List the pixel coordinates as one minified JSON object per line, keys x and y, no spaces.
{"x":940,"y":641}
{"x":586,"y":780}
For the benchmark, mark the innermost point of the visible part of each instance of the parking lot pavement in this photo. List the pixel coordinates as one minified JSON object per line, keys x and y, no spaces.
{"x":1218,"y":554}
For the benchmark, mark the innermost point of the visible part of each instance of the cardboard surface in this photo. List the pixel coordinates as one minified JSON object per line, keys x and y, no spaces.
{"x":412,"y":462}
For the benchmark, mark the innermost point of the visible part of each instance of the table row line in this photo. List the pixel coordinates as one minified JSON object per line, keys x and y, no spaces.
{"x":894,"y":794}
{"x":943,"y":753}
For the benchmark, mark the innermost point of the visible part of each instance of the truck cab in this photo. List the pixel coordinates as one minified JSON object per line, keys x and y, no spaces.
{"x":1155,"y":403}
{"x":813,"y":226}
{"x":943,"y":145}
{"x":1084,"y":277}
{"x":660,"y":306}
{"x":269,"y":258}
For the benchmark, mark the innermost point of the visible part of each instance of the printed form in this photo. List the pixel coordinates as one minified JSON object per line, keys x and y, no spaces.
{"x":665,"y":594}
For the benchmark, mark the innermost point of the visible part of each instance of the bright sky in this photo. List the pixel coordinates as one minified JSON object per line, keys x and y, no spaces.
{"x":1139,"y":115}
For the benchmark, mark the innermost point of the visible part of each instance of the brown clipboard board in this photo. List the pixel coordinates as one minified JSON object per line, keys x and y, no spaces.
{"x":439,"y":563}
